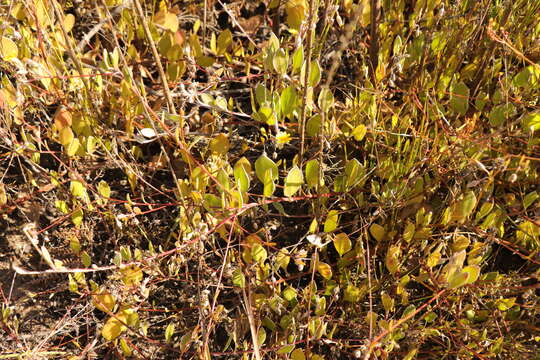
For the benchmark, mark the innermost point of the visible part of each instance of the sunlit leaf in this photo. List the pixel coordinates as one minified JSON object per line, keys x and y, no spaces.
{"x":459,"y":100}
{"x":352,"y":294}
{"x":132,"y":275}
{"x":264,"y":163}
{"x":314,"y":74}
{"x":296,"y":11}
{"x":332,"y":220}
{"x":359,"y":132}
{"x":298,"y":354}
{"x":104,"y":189}
{"x":312,"y":173}
{"x":224,"y":40}
{"x":104,"y":300}
{"x":377,"y":231}
{"x":289,"y":99}
{"x":392,"y":259}
{"x":298,"y":59}
{"x":289,"y":293}
{"x":8,"y":49}
{"x":258,"y":253}
{"x":220,"y":144}
{"x":238,"y":278}
{"x":293,"y":181}
{"x":342,"y":243}
{"x":325,"y":270}
{"x":112,"y":328}
{"x":326,"y":99}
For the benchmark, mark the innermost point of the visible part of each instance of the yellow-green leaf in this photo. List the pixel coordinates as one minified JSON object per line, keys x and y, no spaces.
{"x":377,"y":231}
{"x":332,"y":220}
{"x":325,"y":270}
{"x":74,"y":148}
{"x":359,"y":132}
{"x":104,"y":189}
{"x":132,"y":275}
{"x":392,"y":259}
{"x":293,"y":181}
{"x":103,"y":300}
{"x":264,"y":163}
{"x":298,"y":354}
{"x":8,"y":49}
{"x":289,"y":293}
{"x":258,"y":253}
{"x":69,"y":21}
{"x":342,"y":243}
{"x":220,"y":144}
{"x":112,"y":329}
{"x":296,"y":12}
{"x":224,"y":40}
{"x":238,"y":278}
{"x":312,"y":173}
{"x":65,"y":136}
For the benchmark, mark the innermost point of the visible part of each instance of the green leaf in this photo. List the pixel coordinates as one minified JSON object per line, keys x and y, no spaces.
{"x":239,"y":279}
{"x":531,"y":121}
{"x":293,"y":181}
{"x":298,"y":354}
{"x":289,"y":293}
{"x":359,"y":132}
{"x":332,"y":220}
{"x":501,"y":113}
{"x":104,"y":189}
{"x":269,"y":184}
{"x":298,"y":59}
{"x":464,"y":207}
{"x":103,"y":300}
{"x":264,"y":163}
{"x":473,"y":271}
{"x":296,"y":11}
{"x":313,"y":125}
{"x":241,"y":176}
{"x":484,"y":210}
{"x":224,"y":40}
{"x":325,"y":270}
{"x":258,"y":253}
{"x":77,"y":189}
{"x":342,"y":243}
{"x":266,"y":115}
{"x":220,"y":144}
{"x":459,"y":100}
{"x":289,"y":100}
{"x":112,"y":329}
{"x":283,"y":258}
{"x":377,"y":231}
{"x":286,"y":349}
{"x":530,"y":198}
{"x":280,"y":61}
{"x":352,"y":294}
{"x":314,"y":73}
{"x":262,"y":94}
{"x":169,"y":332}
{"x":77,"y":217}
{"x":8,"y":49}
{"x":457,"y":279}
{"x":392,"y":258}
{"x":354,"y":174}
{"x":312,"y":173}
{"x":326,"y":99}
{"x":460,"y":243}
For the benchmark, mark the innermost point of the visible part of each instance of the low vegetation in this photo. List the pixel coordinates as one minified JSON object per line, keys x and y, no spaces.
{"x":295,"y":179}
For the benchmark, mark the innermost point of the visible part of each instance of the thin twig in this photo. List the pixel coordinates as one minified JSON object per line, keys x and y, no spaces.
{"x":306,"y":82}
{"x":157,"y":59}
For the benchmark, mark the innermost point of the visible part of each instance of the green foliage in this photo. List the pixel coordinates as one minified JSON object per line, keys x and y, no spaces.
{"x":292,"y":190}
